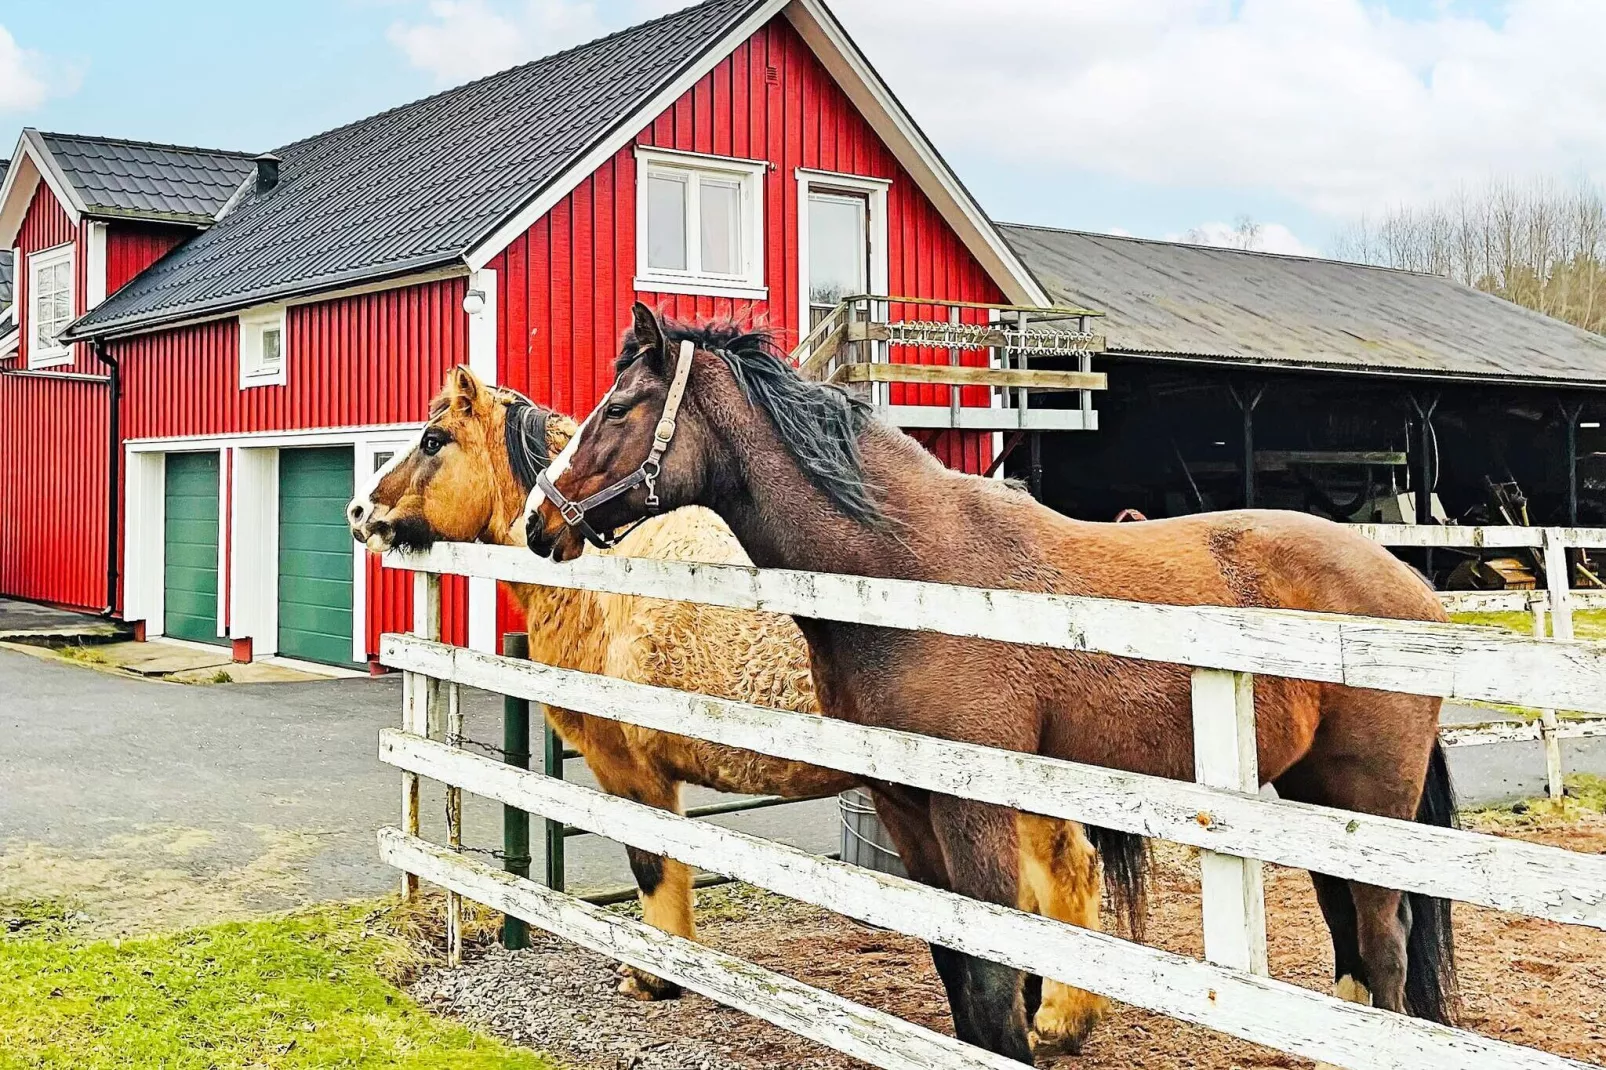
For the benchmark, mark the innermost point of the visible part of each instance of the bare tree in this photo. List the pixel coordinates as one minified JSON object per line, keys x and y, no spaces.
{"x":1540,"y":244}
{"x":1245,"y":234}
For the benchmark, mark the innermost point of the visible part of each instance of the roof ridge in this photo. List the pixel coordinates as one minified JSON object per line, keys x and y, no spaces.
{"x":505,"y":71}
{"x":101,"y":139}
{"x":1224,"y":249}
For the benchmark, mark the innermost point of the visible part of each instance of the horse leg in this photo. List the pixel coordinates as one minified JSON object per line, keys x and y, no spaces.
{"x":904,"y":813}
{"x":664,"y":884}
{"x":1059,"y":878}
{"x":1371,"y":931}
{"x":981,"y":853}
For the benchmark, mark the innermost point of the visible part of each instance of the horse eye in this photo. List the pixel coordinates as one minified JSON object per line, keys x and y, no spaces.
{"x":433,"y":442}
{"x":616,"y":412}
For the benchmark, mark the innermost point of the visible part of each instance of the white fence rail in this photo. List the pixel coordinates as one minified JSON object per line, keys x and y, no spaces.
{"x":1558,"y":600}
{"x":1237,"y":828}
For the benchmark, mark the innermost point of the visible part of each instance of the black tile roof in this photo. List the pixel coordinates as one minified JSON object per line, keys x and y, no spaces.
{"x":141,"y":180}
{"x":418,"y":186}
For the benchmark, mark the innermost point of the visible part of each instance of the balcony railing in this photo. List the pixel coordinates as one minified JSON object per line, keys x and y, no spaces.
{"x":888,"y":348}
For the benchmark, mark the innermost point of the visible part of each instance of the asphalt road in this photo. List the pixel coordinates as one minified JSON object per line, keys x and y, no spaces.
{"x":269,"y":794}
{"x":127,"y":795}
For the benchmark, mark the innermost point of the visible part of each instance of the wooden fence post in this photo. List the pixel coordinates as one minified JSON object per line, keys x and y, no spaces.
{"x":418,"y":697}
{"x":1548,"y":727}
{"x":1558,"y":580}
{"x":454,"y":828}
{"x":1224,"y":756}
{"x":515,"y":822}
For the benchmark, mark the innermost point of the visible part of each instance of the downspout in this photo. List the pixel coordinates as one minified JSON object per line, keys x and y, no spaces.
{"x":114,"y":457}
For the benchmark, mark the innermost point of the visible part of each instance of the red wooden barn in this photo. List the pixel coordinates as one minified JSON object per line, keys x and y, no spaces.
{"x":211,"y":349}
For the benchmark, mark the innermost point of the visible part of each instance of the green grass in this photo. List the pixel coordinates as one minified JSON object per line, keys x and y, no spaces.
{"x":1587,"y":624}
{"x":1586,"y":794}
{"x":303,"y":990}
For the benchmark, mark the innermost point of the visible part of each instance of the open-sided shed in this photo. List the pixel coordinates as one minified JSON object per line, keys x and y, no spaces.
{"x":1251,"y":378}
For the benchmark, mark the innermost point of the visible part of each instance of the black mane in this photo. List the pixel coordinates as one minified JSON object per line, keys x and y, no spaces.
{"x":819,"y":424}
{"x":525,"y":434}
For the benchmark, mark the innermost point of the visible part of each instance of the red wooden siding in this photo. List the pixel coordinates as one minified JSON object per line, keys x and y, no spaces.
{"x":565,"y":286}
{"x":356,"y":361}
{"x":133,"y":247}
{"x":44,"y":226}
{"x":53,"y":445}
{"x":390,"y":605}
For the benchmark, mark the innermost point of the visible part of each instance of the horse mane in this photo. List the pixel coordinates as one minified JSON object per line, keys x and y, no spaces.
{"x":525,"y":435}
{"x":818,"y":423}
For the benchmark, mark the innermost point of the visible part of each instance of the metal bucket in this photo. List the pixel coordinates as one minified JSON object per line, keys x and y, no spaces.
{"x":864,"y":842}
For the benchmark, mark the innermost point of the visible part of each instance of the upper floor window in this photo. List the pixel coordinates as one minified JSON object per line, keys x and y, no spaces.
{"x":699,"y":224}
{"x":50,"y":305}
{"x":263,"y":358}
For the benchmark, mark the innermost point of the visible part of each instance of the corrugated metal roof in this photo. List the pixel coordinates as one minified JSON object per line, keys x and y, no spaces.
{"x":142,"y":180}
{"x":417,"y":186}
{"x":1192,"y":301}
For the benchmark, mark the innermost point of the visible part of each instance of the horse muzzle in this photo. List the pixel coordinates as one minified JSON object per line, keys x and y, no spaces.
{"x":547,"y":534}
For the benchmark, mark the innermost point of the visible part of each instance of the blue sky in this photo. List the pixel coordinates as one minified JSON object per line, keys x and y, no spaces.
{"x":1151,"y":117}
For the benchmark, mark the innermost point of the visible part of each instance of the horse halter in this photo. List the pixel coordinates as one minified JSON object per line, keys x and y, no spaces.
{"x":574,"y":513}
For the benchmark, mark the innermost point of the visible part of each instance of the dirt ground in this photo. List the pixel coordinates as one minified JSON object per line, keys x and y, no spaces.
{"x":1526,"y":981}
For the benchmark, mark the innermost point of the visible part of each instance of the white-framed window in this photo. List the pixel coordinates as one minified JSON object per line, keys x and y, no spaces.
{"x":264,"y":355}
{"x":50,"y":305}
{"x":699,"y":224}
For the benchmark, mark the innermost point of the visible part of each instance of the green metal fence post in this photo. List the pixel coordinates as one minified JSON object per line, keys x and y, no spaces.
{"x":515,"y":822}
{"x":552,"y":763}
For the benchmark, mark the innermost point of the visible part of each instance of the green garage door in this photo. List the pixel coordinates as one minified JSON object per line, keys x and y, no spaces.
{"x":315,"y":555}
{"x":190,"y":547}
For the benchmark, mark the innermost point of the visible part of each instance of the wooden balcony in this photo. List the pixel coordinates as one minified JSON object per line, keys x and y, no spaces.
{"x":856,"y":345}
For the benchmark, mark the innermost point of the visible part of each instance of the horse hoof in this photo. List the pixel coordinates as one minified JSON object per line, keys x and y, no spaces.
{"x":1064,"y":1033}
{"x":647,"y":988}
{"x":1046,"y":1047}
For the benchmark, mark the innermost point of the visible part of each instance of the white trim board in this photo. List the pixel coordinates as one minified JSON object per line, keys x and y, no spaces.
{"x":886,"y":116}
{"x":623,"y":134}
{"x":394,"y":282}
{"x":868,"y":93}
{"x":875,"y":191}
{"x":332,"y":436}
{"x":32,"y":164}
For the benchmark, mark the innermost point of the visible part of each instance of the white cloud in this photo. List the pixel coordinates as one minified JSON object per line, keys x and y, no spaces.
{"x":464,"y":39}
{"x":1246,"y":234}
{"x":1336,"y":104}
{"x":22,"y":81}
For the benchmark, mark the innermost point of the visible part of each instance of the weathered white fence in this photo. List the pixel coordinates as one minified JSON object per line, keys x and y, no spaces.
{"x":1222,"y":814}
{"x":1557,"y":600}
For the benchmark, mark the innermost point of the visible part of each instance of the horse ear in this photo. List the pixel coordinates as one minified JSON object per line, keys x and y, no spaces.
{"x":648,"y":334}
{"x":465,"y":389}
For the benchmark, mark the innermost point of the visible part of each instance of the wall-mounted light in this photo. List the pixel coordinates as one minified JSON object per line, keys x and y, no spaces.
{"x":474,"y":302}
{"x":1590,"y":425}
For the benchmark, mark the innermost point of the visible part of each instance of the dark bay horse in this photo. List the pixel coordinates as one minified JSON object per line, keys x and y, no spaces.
{"x":808,"y":479}
{"x":466,"y":480}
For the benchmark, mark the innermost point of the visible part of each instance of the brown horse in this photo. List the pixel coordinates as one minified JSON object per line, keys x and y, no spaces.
{"x":807,"y":479}
{"x":467,"y":480}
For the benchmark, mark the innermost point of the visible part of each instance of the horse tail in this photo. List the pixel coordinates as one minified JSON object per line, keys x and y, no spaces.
{"x":1431,"y":988}
{"x":1125,"y":857}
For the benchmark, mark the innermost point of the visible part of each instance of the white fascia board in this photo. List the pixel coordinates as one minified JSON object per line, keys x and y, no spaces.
{"x":30,"y":165}
{"x":887,"y":117}
{"x":623,"y":134}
